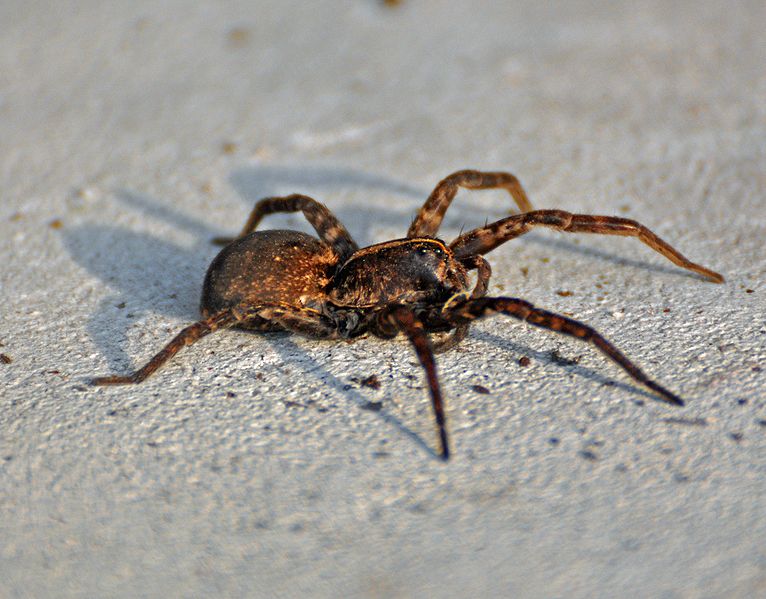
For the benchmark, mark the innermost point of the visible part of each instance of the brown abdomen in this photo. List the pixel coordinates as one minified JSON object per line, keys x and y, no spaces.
{"x":267,"y":268}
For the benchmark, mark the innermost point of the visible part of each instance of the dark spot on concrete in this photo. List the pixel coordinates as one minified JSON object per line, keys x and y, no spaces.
{"x":554,"y":441}
{"x":5,"y":359}
{"x":480,"y":389}
{"x":742,"y":402}
{"x":686,"y":421}
{"x":563,"y":293}
{"x":372,"y":406}
{"x":293,"y":404}
{"x":559,"y":359}
{"x":524,"y":361}
{"x":371,"y":381}
{"x":736,"y":437}
{"x":586,"y":454}
{"x":231,"y":394}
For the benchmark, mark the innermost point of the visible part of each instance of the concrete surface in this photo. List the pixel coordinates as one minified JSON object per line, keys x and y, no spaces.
{"x":132,"y":132}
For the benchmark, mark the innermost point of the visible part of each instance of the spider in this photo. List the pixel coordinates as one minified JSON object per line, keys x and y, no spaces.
{"x":329,"y":288}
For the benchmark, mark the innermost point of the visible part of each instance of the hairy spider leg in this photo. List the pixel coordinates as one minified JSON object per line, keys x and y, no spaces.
{"x":430,"y":216}
{"x":485,"y":239}
{"x":327,"y":226}
{"x":187,"y":336}
{"x":401,"y":318}
{"x":304,"y":322}
{"x":525,"y":311}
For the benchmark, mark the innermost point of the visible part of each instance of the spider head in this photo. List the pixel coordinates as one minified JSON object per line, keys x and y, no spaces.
{"x":399,"y":271}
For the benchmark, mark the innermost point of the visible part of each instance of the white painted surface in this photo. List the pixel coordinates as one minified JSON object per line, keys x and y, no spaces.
{"x":208,"y":480}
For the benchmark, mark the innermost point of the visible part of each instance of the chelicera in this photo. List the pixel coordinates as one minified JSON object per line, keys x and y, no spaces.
{"x":326,"y":287}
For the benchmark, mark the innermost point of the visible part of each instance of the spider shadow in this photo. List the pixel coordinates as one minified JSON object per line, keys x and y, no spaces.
{"x":145,"y":274}
{"x":546,"y":357}
{"x":256,"y":182}
{"x":288,"y":350}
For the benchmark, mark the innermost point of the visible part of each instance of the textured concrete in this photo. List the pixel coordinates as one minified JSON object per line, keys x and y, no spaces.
{"x":133,"y":132}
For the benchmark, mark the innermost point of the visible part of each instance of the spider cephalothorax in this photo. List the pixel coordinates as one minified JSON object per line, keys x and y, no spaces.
{"x":328,"y":288}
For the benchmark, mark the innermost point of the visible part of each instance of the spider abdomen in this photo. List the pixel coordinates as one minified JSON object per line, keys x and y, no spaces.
{"x":275,"y":267}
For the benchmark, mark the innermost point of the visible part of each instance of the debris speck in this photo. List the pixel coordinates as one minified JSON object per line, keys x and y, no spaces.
{"x":480,"y":389}
{"x":238,"y":37}
{"x":5,"y":359}
{"x":559,"y":359}
{"x":372,"y":406}
{"x":563,"y":293}
{"x":228,"y":147}
{"x":587,"y":454}
{"x":524,"y":361}
{"x":736,"y":437}
{"x":56,"y":223}
{"x":371,"y":381}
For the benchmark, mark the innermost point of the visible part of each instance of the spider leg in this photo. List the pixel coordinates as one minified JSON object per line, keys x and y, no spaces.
{"x":308,"y":323}
{"x":327,"y":226}
{"x":485,"y":239}
{"x":187,"y":336}
{"x":430,"y":216}
{"x":303,"y":321}
{"x":480,"y":290}
{"x":400,"y":318}
{"x":523,"y":310}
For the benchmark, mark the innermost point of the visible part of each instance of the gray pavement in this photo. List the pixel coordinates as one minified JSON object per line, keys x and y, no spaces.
{"x":133,"y":132}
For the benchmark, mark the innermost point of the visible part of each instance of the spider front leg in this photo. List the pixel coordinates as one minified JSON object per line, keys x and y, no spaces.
{"x":327,"y":226}
{"x":523,"y":310}
{"x":189,"y":335}
{"x":430,"y":216}
{"x":400,"y":318}
{"x":485,"y":239}
{"x":484,"y":272}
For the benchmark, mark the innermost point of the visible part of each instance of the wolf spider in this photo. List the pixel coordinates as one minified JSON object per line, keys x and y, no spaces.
{"x":329,"y":288}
